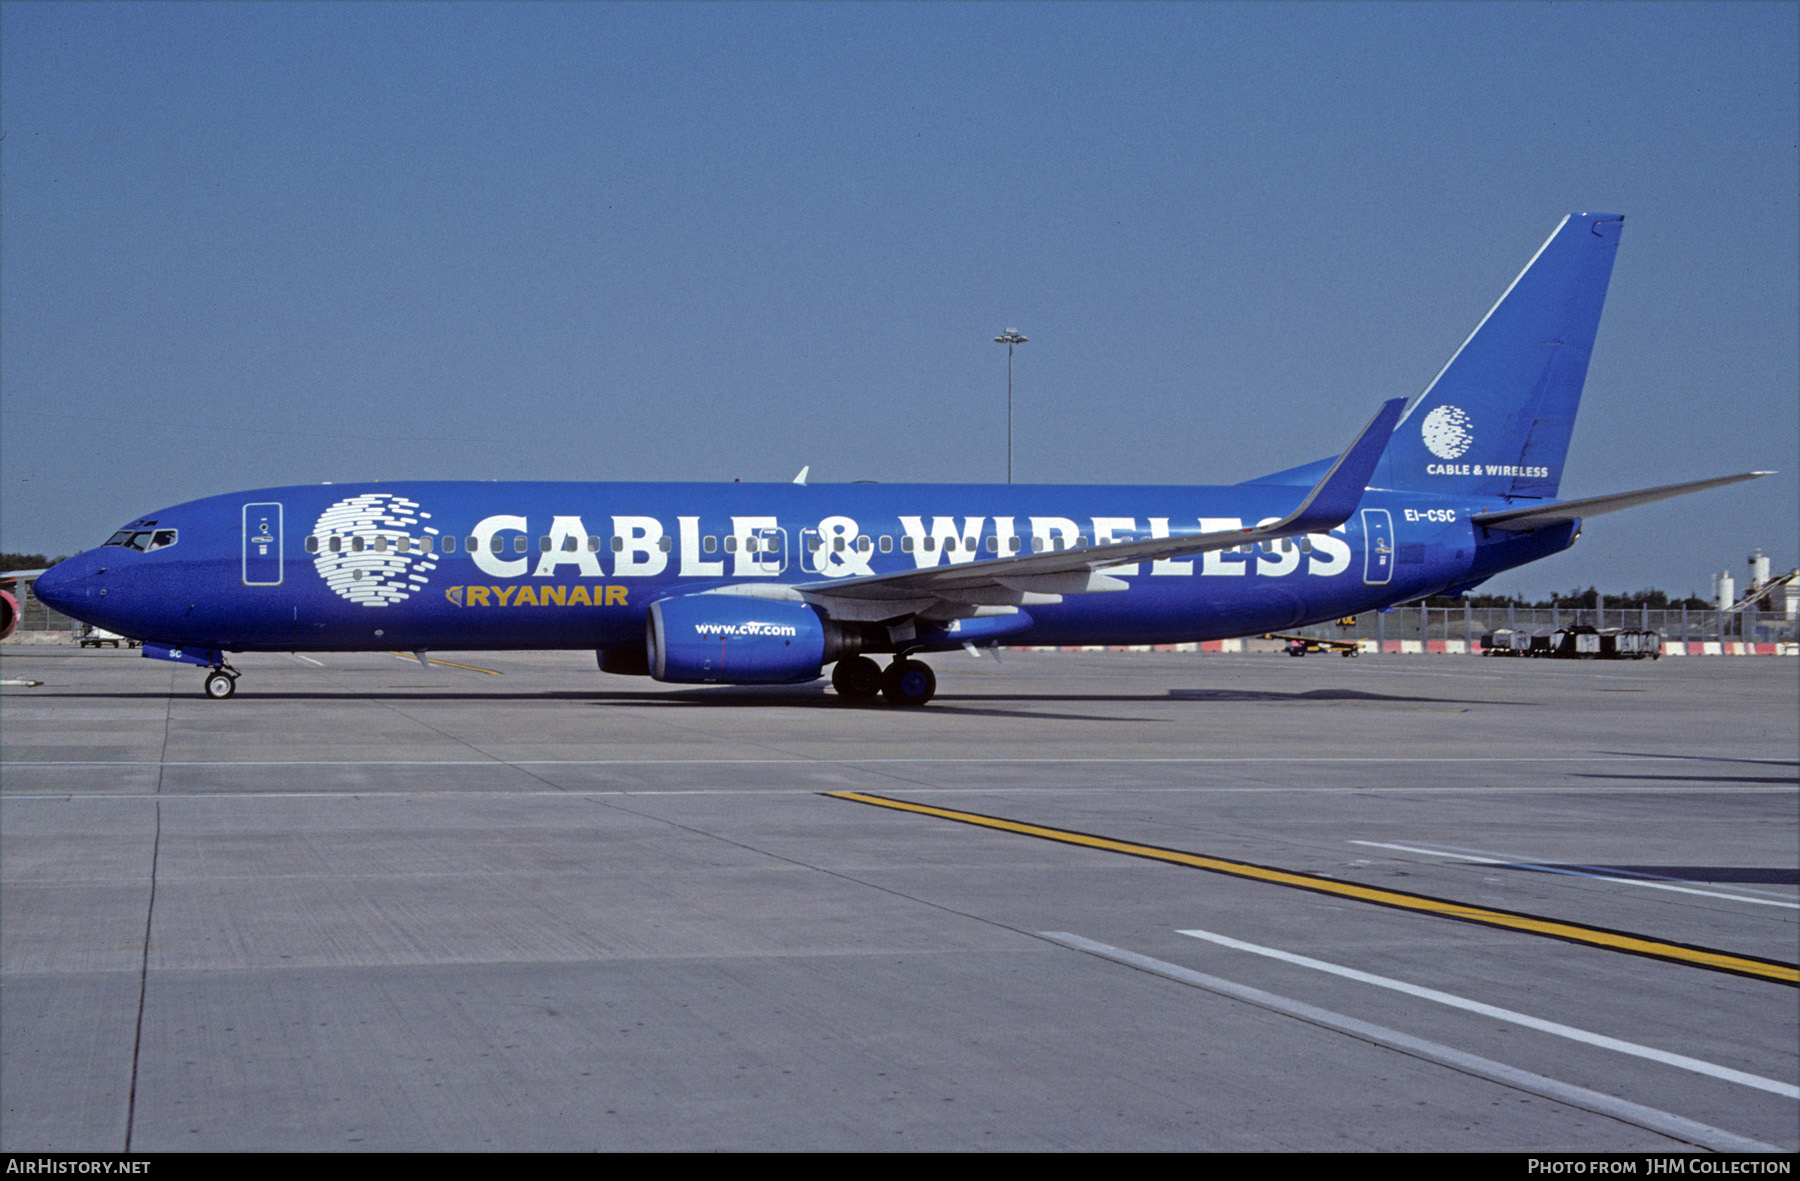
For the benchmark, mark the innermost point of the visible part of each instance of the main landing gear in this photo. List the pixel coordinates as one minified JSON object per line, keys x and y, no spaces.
{"x":904,"y":682}
{"x":908,"y":682}
{"x":221,"y":682}
{"x":857,"y":679}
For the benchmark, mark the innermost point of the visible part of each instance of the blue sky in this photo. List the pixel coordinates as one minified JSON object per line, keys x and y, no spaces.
{"x":246,"y":245}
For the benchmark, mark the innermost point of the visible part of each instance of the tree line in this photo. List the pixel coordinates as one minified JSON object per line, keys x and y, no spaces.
{"x":1649,"y":597}
{"x":11,"y":561}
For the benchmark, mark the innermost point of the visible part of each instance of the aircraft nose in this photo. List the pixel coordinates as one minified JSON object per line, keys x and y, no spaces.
{"x":60,"y":587}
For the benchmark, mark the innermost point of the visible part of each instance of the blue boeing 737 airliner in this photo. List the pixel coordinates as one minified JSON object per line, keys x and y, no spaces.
{"x":748,"y":583}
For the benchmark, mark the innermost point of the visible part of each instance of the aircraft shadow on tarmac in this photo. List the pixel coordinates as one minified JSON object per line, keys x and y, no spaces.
{"x":712,"y":696}
{"x":1785,"y":780}
{"x":1713,"y":874}
{"x":1754,"y":762}
{"x":1325,"y":696}
{"x":1014,"y":705}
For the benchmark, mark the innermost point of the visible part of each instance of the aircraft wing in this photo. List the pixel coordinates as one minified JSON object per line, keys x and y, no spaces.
{"x":1535,"y":516}
{"x":1045,"y":578}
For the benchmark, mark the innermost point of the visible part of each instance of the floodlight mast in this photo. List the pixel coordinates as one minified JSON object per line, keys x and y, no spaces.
{"x":1009,"y":338}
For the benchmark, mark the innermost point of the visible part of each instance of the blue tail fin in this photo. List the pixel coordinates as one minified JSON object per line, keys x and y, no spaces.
{"x":1497,"y":419}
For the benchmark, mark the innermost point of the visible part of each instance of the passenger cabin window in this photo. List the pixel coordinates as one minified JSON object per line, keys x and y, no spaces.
{"x":521,"y":544}
{"x":731,"y":545}
{"x":381,"y":545}
{"x":618,"y":545}
{"x":335,"y":545}
{"x":887,"y":544}
{"x":312,"y":545}
{"x":449,"y":545}
{"x":906,"y":544}
{"x":593,"y":545}
{"x":708,"y":544}
{"x":665,"y":543}
{"x":356,"y":545}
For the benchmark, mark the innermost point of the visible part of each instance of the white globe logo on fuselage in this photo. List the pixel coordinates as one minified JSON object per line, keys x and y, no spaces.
{"x":373,"y":548}
{"x":1447,"y":432}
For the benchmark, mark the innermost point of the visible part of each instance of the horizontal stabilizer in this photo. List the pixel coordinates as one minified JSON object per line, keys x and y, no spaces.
{"x":1335,"y":497}
{"x":1304,"y":476}
{"x":1536,"y":516}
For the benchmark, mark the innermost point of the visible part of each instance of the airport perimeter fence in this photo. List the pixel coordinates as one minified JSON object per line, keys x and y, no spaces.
{"x":35,"y":616}
{"x":1469,"y":623}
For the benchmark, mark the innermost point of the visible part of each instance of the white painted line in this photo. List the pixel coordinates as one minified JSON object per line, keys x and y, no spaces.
{"x":1565,"y":871}
{"x":376,"y":792}
{"x":1710,"y":1069}
{"x":1432,"y":852}
{"x":924,"y":759}
{"x":308,"y":659}
{"x":1663,"y":1122}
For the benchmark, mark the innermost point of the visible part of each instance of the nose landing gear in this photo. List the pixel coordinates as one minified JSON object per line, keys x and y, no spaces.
{"x":221,"y":682}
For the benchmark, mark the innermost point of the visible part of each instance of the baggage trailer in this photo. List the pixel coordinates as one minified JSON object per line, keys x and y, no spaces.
{"x":1576,"y":642}
{"x":1301,"y":645}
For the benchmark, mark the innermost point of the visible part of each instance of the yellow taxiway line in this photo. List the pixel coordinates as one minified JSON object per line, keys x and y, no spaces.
{"x":1624,"y":941}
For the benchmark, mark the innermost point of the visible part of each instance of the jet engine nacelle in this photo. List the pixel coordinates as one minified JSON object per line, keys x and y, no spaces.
{"x":9,"y":614}
{"x":740,"y":640}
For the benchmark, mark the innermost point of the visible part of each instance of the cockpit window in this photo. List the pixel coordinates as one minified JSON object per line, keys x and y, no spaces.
{"x":143,"y":540}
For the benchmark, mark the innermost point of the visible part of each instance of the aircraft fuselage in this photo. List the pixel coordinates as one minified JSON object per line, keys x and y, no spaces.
{"x":417,"y":566}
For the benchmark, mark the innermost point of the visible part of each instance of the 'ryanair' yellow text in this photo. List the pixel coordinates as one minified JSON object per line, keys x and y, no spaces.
{"x":536,"y":596}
